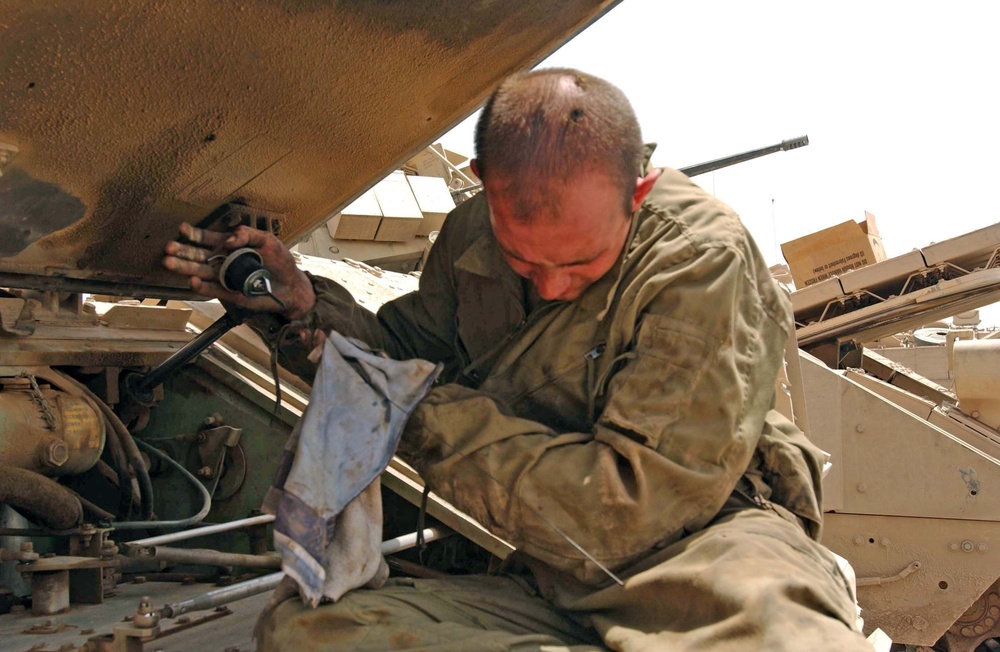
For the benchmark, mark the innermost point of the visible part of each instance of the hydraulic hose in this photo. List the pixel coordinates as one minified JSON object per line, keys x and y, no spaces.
{"x":184,"y":522}
{"x":142,"y":474}
{"x":41,"y":500}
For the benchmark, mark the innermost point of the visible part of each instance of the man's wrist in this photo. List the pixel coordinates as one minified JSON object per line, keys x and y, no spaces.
{"x":303,"y":298}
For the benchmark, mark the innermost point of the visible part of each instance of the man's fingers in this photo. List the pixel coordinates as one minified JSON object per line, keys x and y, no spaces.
{"x":190,"y":268}
{"x":244,"y":236}
{"x":210,"y":239}
{"x":189,"y":252}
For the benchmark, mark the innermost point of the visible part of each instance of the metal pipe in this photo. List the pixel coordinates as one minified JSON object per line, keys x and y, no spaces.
{"x":40,"y":499}
{"x":203,"y":557}
{"x":223,"y":596}
{"x":141,"y":386}
{"x":266,"y":583}
{"x":407,"y":541}
{"x":163,"y":539}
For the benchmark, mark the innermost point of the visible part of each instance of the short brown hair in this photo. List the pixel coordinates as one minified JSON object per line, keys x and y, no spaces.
{"x":548,"y":124}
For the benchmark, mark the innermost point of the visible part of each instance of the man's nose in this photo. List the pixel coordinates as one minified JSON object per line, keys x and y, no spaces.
{"x":551,"y":285}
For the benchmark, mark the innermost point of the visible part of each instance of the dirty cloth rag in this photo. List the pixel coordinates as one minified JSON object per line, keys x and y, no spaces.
{"x":325,"y":498}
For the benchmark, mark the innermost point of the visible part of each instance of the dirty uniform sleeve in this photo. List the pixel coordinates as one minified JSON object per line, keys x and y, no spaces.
{"x":416,"y":325}
{"x":679,"y":426}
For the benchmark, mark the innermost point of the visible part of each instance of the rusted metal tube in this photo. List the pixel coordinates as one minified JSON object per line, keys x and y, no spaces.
{"x":40,"y":499}
{"x":209,"y":557}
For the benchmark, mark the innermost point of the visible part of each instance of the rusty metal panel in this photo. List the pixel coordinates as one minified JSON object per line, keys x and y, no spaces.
{"x":125,"y":118}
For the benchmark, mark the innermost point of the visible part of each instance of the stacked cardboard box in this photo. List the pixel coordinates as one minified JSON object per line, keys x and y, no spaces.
{"x":834,"y":251}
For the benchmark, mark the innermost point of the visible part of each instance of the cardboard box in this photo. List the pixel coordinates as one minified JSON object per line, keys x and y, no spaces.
{"x":401,"y":216}
{"x":434,"y":200}
{"x":359,"y":221}
{"x":834,"y":251}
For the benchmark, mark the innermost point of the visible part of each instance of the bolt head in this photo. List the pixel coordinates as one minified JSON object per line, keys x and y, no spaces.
{"x":205,"y":472}
{"x":884,"y":542}
{"x":54,"y":452}
{"x":858,"y":540}
{"x":860,"y":427}
{"x":862,"y":487}
{"x":954,"y":546}
{"x":983,"y":547}
{"x":968,"y":546}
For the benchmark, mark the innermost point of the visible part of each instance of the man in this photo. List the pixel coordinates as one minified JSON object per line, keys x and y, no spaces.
{"x":611,"y":337}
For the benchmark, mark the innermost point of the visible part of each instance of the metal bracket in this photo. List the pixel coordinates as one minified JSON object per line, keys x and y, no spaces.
{"x":880,"y":581}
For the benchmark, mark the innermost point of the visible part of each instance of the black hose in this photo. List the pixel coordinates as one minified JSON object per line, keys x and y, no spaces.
{"x":41,"y":500}
{"x":206,"y":498}
{"x":119,"y":464}
{"x":129,"y":449}
{"x":91,"y":508}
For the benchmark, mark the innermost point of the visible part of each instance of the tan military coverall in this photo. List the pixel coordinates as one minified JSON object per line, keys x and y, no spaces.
{"x":635,"y":420}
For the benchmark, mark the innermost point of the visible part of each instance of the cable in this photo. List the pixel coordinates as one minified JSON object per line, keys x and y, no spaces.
{"x":159,"y":525}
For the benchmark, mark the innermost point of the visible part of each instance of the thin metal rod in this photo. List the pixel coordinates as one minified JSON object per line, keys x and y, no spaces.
{"x":223,"y":596}
{"x":164,"y":539}
{"x":266,"y":583}
{"x":205,"y":339}
{"x":202,"y":557}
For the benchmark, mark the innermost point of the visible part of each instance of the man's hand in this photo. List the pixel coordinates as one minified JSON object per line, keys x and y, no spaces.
{"x":288,"y":283}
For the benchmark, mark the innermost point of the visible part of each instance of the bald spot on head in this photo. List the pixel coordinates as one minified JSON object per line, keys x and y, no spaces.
{"x":540,"y":129}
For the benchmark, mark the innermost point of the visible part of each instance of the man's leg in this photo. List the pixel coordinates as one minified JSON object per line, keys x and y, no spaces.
{"x":750,"y":581}
{"x":457,"y":614}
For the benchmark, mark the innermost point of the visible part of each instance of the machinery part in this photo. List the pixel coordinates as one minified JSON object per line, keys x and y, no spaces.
{"x":980,"y":622}
{"x":124,"y":447}
{"x":184,"y":522}
{"x":223,"y":596}
{"x":140,"y":386}
{"x":40,"y":499}
{"x":145,"y":616}
{"x":49,"y":593}
{"x":47,"y":431}
{"x":266,"y":583}
{"x":243,"y":271}
{"x":711,"y":166}
{"x":881,"y":581}
{"x":976,"y":379}
{"x":207,"y":557}
{"x":223,"y":460}
{"x":164,"y":539}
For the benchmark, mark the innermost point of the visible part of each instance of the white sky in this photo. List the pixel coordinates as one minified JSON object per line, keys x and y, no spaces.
{"x":900,"y":101}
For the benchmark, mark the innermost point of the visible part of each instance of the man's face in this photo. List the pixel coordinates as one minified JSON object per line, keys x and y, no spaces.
{"x":575,"y":240}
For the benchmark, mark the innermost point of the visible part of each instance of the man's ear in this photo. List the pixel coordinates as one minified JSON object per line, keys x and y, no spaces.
{"x":643,"y":186}
{"x":474,"y":164}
